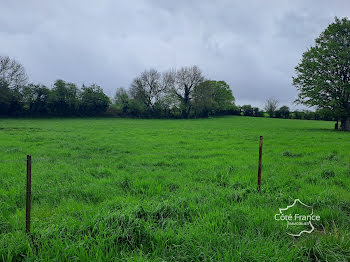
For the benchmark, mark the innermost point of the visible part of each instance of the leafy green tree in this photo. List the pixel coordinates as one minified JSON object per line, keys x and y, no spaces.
{"x":122,"y":100}
{"x":212,"y":97}
{"x":35,"y":99}
{"x":203,"y":103}
{"x":322,"y":76}
{"x":5,"y":98}
{"x":257,"y":112}
{"x":40,"y":99}
{"x":93,"y":100}
{"x":326,"y":114}
{"x":247,"y":110}
{"x":298,"y":114}
{"x":283,"y":112}
{"x":137,"y":109}
{"x":223,"y":97}
{"x":64,"y":98}
{"x":309,"y":115}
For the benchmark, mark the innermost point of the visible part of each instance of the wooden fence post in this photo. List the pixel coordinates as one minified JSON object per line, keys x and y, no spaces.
{"x":260,"y":157}
{"x":29,"y":191}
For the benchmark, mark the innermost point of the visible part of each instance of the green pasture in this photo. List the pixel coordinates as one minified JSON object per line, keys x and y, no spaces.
{"x":172,"y":190}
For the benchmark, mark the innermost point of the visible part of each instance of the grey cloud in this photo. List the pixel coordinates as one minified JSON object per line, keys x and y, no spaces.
{"x":252,"y":45}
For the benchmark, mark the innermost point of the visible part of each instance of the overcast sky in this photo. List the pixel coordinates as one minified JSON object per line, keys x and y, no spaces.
{"x":252,"y":45}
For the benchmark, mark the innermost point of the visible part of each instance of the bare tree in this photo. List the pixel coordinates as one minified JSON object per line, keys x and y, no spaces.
{"x":147,"y":88}
{"x":182,"y":83}
{"x":12,"y":72}
{"x":270,"y":106}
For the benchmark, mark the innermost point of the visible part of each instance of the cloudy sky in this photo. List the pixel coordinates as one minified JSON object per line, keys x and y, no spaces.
{"x":252,"y":45}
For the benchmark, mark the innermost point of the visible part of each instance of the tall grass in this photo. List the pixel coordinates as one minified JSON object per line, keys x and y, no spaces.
{"x":172,"y":190}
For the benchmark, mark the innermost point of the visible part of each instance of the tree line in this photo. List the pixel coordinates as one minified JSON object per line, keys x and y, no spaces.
{"x":18,"y":98}
{"x":322,"y":79}
{"x":272,"y":110}
{"x":182,"y":93}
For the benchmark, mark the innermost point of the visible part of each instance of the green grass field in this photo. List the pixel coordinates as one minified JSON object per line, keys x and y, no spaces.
{"x":172,"y":190}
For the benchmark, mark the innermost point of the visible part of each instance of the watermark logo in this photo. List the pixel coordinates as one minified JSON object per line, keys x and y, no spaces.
{"x":298,"y":217}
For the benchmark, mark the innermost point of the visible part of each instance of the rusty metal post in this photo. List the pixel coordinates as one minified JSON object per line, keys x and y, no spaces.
{"x":260,"y":157}
{"x":29,"y":191}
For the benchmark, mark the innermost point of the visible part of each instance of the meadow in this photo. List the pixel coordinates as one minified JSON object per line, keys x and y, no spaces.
{"x":110,"y":189}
